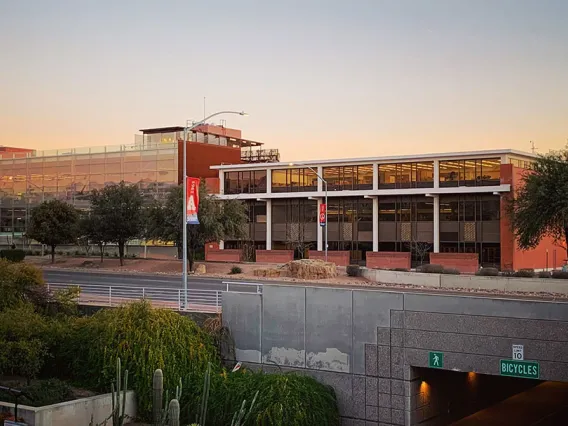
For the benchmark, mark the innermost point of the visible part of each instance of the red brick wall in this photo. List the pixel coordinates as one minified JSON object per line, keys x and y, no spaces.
{"x":463,"y":262}
{"x":340,"y":258}
{"x":213,"y":255}
{"x":274,"y":256}
{"x":200,"y":156}
{"x":388,"y":259}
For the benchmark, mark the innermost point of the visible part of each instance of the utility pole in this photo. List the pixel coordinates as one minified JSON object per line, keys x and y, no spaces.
{"x":533,"y":147}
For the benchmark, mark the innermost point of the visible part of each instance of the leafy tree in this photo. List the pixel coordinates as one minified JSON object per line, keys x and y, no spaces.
{"x":118,"y":213}
{"x":93,"y":231}
{"x":218,"y":220}
{"x":53,"y":223}
{"x":540,"y":206}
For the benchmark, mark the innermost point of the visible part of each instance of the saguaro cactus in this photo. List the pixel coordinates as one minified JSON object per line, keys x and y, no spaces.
{"x":158,"y":395}
{"x":173,"y":412}
{"x":119,"y":406}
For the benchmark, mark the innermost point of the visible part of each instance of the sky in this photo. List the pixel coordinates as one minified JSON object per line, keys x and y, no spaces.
{"x":319,"y":78}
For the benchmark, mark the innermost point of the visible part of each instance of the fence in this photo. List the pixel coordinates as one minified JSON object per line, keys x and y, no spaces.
{"x":165,"y":297}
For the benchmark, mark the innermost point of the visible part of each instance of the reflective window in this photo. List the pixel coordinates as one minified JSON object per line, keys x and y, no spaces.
{"x":470,"y":172}
{"x":294,"y":180}
{"x":245,"y":182}
{"x":406,"y":175}
{"x":349,"y":178}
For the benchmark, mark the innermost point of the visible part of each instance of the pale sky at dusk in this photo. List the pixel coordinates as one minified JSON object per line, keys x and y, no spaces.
{"x":319,"y":78}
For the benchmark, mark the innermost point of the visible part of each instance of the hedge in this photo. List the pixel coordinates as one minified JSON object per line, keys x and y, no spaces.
{"x":13,"y":255}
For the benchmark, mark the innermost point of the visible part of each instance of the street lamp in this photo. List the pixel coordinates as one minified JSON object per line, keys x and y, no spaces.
{"x":325,"y":189}
{"x":187,"y":129}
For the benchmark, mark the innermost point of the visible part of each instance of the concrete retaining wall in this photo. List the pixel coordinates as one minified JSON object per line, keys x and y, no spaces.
{"x":72,"y":413}
{"x":464,"y":262}
{"x":223,"y":255}
{"x":388,"y":259}
{"x":340,"y":258}
{"x":274,"y":256}
{"x":530,"y":285}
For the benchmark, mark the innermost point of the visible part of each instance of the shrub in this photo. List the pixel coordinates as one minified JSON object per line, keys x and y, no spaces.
{"x":430,"y":269}
{"x":508,"y":273}
{"x":235,"y":270}
{"x":20,"y":282}
{"x":400,"y":269}
{"x":13,"y":255}
{"x":544,"y":274}
{"x":560,"y":275}
{"x":487,"y":272}
{"x":451,"y":271}
{"x":37,"y":252}
{"x":353,"y":270}
{"x":525,"y":273}
{"x":47,"y":392}
{"x":114,"y":254}
{"x":144,"y":339}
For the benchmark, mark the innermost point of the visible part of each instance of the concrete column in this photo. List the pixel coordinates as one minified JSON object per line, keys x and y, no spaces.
{"x":268,"y":224}
{"x":269,"y":181}
{"x":376,"y":224}
{"x":436,"y":223}
{"x":436,"y":173}
{"x":320,"y":183}
{"x":221,"y":182}
{"x":375,"y":177}
{"x":221,"y":245}
{"x":320,"y":229}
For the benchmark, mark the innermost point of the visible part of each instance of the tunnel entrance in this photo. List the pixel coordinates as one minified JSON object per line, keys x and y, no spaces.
{"x":444,"y":397}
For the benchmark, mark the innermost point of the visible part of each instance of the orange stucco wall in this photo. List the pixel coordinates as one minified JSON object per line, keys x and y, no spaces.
{"x":512,"y":257}
{"x":200,"y":156}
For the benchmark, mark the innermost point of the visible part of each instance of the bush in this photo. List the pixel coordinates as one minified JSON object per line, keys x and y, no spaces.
{"x":430,"y":269}
{"x":507,"y":273}
{"x":451,"y":271}
{"x":37,"y":252}
{"x":47,"y":392}
{"x":283,"y":399}
{"x":144,"y":339}
{"x":560,"y":275}
{"x":488,"y":272}
{"x":544,"y":274}
{"x":235,"y":270}
{"x":13,"y":255}
{"x":525,"y":273}
{"x":353,"y":270}
{"x":20,"y":282}
{"x":400,"y":269}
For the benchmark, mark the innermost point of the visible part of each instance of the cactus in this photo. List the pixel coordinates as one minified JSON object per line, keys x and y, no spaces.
{"x":119,"y":406}
{"x":205,"y":395}
{"x":242,"y":415}
{"x":173,"y":412}
{"x":158,"y":395}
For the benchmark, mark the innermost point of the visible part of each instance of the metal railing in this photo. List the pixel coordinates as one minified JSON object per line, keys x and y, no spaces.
{"x":166,"y":297}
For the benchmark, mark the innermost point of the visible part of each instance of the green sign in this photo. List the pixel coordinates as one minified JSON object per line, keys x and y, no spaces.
{"x":435,"y":359}
{"x":524,"y":369}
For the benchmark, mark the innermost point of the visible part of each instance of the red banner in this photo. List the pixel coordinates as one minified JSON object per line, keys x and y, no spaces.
{"x":192,"y":200}
{"x":323,"y":210}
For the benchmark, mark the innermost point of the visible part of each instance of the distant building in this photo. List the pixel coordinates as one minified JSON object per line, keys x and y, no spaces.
{"x":450,"y":203}
{"x":154,"y":162}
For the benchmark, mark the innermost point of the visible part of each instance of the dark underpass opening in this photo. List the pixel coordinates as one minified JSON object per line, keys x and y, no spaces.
{"x":442,"y":397}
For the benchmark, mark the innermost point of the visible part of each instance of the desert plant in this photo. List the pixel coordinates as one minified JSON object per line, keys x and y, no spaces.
{"x":157,"y":395}
{"x":525,"y":273}
{"x":400,"y":269}
{"x":47,"y":392}
{"x":118,"y":405}
{"x":241,"y":416}
{"x":451,"y":271}
{"x":544,"y":274}
{"x":560,"y":275}
{"x":13,"y":255}
{"x":487,"y":272}
{"x":173,"y":413}
{"x":235,"y":270}
{"x":353,"y":270}
{"x":430,"y":269}
{"x":508,"y":273}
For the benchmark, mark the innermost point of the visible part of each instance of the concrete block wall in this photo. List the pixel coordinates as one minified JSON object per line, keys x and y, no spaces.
{"x":223,"y":255}
{"x":340,"y":258}
{"x":388,"y":259}
{"x":464,"y":262}
{"x":372,"y":346}
{"x":274,"y":256}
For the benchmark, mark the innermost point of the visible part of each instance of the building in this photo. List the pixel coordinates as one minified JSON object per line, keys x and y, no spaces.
{"x":154,"y":162}
{"x":449,"y":205}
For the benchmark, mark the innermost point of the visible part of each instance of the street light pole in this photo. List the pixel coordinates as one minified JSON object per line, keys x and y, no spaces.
{"x":186,"y":130}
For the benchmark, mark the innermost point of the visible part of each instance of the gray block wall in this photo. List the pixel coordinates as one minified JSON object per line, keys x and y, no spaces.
{"x":369,"y":345}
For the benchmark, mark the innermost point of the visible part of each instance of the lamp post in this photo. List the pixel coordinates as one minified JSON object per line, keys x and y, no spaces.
{"x":325,"y":202}
{"x":187,"y":129}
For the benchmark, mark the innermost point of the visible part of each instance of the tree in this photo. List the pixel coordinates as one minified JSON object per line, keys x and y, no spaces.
{"x":118,"y":213}
{"x":93,"y":231}
{"x":540,"y":206}
{"x":53,"y":223}
{"x":296,"y":238}
{"x":218,"y":220}
{"x":419,"y":248}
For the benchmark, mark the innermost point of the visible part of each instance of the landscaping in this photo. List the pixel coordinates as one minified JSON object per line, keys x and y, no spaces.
{"x":53,"y":354}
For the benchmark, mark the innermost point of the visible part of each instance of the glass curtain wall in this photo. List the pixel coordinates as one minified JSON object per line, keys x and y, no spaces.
{"x":294,"y":225}
{"x":471,"y":224}
{"x":245,"y":182}
{"x":294,"y":180}
{"x":349,"y":178}
{"x":484,"y":172}
{"x":255,"y":229}
{"x":406,"y":175}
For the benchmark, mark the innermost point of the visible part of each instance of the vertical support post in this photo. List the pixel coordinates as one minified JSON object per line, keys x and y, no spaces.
{"x":436,"y":224}
{"x":375,"y":177}
{"x":375,"y":223}
{"x":320,"y":230}
{"x":436,"y":173}
{"x":143,"y":293}
{"x":217,"y":300}
{"x":179,"y":300}
{"x":184,"y":177}
{"x":269,"y":181}
{"x":110,"y":296}
{"x":268,"y":224}
{"x":326,"y":223}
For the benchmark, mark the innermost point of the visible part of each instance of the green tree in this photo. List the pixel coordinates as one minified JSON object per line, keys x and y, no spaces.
{"x":218,"y":220}
{"x":93,"y":231}
{"x":540,"y":206}
{"x":53,"y":223}
{"x":118,"y":213}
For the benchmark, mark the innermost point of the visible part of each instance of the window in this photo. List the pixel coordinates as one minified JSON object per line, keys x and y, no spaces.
{"x":349,"y":178}
{"x":406,"y":175}
{"x":245,"y":182}
{"x":484,"y":172}
{"x":294,"y":180}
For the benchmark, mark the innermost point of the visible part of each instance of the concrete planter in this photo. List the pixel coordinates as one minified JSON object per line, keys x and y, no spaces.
{"x":470,"y":282}
{"x":72,"y":413}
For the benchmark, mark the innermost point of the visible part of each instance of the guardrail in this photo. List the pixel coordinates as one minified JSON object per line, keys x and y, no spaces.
{"x":167,"y":297}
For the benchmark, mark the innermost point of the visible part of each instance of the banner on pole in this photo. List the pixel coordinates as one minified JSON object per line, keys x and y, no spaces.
{"x":192,"y":199}
{"x":323,"y":209}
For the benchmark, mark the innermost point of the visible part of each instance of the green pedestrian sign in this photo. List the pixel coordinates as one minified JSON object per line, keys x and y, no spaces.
{"x":436,"y":359}
{"x":522,"y":369}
